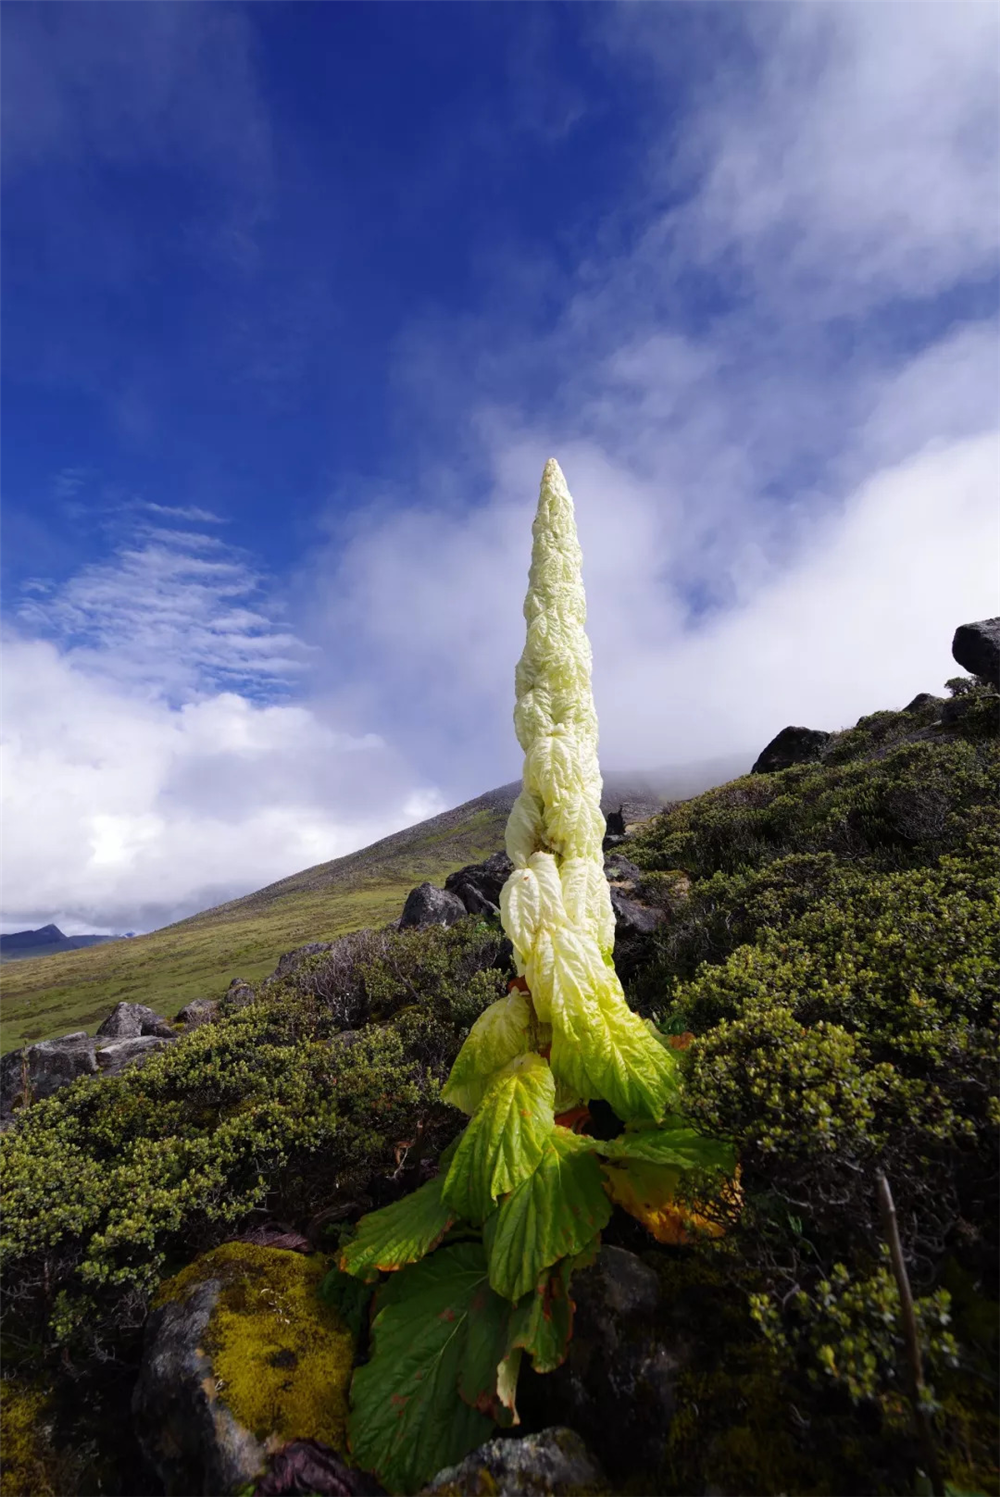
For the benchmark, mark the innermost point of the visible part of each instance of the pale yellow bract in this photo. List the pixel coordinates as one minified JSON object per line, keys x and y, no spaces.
{"x":556,"y":905}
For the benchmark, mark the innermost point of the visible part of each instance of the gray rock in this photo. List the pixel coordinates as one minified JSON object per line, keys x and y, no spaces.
{"x":239,"y":994}
{"x":553,"y":1463}
{"x":618,"y":870}
{"x":478,"y":885}
{"x":127,"y":1021}
{"x":621,"y":1369}
{"x":292,"y":959}
{"x":923,"y":701}
{"x":427,"y":905}
{"x":199,"y":1011}
{"x":976,"y":647}
{"x":633,"y":918}
{"x":30,"y":1074}
{"x":117,"y":1054}
{"x":791,"y":746}
{"x":188,"y":1436}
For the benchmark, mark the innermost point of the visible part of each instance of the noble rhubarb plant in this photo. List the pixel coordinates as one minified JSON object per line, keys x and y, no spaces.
{"x":481,"y":1256}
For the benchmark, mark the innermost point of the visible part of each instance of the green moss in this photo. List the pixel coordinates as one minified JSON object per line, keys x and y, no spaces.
{"x":29,"y":1466}
{"x":281,"y":1357}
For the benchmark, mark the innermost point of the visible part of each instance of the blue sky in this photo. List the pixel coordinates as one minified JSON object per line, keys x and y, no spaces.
{"x":296,"y":301}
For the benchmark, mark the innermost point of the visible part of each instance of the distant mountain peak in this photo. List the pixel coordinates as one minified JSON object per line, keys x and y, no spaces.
{"x":46,"y":935}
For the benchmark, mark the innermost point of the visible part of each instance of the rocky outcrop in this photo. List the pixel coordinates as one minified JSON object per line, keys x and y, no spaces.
{"x":791,"y":746}
{"x":618,"y":1380}
{"x":427,"y":905}
{"x":238,"y":995}
{"x":291,"y":959}
{"x":127,"y":1021}
{"x":923,"y":702}
{"x":114,"y":1057}
{"x":39,"y":1070}
{"x":240,"y":1357}
{"x":976,"y":647}
{"x":478,"y":885}
{"x":553,"y":1463}
{"x":199,"y":1011}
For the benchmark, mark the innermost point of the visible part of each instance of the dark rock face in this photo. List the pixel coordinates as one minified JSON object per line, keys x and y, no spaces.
{"x":427,"y":905}
{"x":127,"y":1021}
{"x":618,"y":1380}
{"x":478,"y":885}
{"x":791,"y":746}
{"x":114,"y":1057}
{"x":976,"y":647}
{"x":238,"y":995}
{"x":308,"y":1467}
{"x":553,"y":1463}
{"x":198,"y":1011}
{"x":292,"y":959}
{"x":187,"y":1434}
{"x":31,"y":1074}
{"x":922,"y":700}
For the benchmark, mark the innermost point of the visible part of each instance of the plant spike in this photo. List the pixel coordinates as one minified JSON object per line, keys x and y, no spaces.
{"x":556,"y":905}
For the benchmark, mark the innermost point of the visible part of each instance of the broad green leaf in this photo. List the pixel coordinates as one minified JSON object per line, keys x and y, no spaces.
{"x":504,"y":1141}
{"x":398,"y":1234}
{"x":429,"y":1393}
{"x":648,"y":1192}
{"x":349,"y":1297}
{"x":500,"y":1033}
{"x":600,"y":1048}
{"x":676,"y":1143}
{"x":542,"y":1323}
{"x":551,"y":1215}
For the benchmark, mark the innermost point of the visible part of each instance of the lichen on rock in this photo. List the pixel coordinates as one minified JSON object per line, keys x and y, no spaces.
{"x":241,"y":1356}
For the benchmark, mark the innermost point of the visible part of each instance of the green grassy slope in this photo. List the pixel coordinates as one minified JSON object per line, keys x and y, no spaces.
{"x":197,"y":957}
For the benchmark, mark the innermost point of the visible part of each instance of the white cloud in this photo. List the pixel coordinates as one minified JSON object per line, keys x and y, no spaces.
{"x":126,"y":813}
{"x":168,"y":611}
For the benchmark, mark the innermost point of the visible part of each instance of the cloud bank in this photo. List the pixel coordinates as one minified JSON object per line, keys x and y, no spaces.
{"x":773,"y":387}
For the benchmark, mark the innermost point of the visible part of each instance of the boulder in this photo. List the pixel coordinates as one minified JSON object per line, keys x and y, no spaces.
{"x":618,"y":1380}
{"x":976,"y":647}
{"x":30,"y":1074}
{"x":199,"y":1011}
{"x":240,"y":1357}
{"x":553,"y":1463}
{"x":427,"y":905}
{"x":118,"y":1054}
{"x":923,"y":701}
{"x":791,"y":746}
{"x":239,"y":994}
{"x":478,"y":885}
{"x":292,"y":959}
{"x":127,"y":1021}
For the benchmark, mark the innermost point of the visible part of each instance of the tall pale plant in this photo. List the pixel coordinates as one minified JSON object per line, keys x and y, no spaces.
{"x":482,"y":1255}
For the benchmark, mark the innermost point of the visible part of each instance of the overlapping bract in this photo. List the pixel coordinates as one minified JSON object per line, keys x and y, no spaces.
{"x":556,"y":905}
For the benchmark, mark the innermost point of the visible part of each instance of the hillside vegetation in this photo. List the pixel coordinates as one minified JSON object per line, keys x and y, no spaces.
{"x":198,"y":957}
{"x":833,"y":972}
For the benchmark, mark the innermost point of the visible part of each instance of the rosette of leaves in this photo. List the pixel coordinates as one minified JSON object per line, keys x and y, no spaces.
{"x":482,"y":1255}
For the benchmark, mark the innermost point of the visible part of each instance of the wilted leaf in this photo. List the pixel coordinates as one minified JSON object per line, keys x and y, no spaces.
{"x":542,"y":1323}
{"x":398,"y":1234}
{"x":503,"y":1143}
{"x":648,"y":1192}
{"x":429,"y":1394}
{"x":551,"y":1215}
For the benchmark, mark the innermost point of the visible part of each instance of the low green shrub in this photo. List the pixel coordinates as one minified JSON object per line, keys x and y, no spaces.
{"x":264,"y":1114}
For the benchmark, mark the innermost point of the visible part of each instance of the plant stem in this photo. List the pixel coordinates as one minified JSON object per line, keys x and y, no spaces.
{"x":925,"y":1433}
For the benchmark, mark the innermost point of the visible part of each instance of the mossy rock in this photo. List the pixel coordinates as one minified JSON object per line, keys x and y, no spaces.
{"x":241,"y":1356}
{"x":30,"y":1466}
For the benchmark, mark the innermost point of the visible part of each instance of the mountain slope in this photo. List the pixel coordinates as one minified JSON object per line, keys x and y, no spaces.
{"x":197,"y":957}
